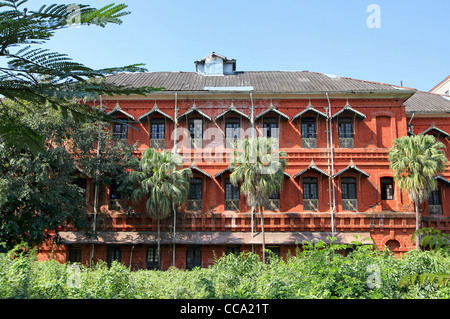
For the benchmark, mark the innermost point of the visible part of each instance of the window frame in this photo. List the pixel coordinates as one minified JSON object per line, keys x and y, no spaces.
{"x":113,"y":253}
{"x":268,"y":123}
{"x":235,"y":191}
{"x":348,"y":181}
{"x":343,"y":124}
{"x":120,"y":131}
{"x":193,"y":257}
{"x":198,"y":182}
{"x":387,"y":188}
{"x":309,"y":124}
{"x":310,"y":181}
{"x":155,"y":128}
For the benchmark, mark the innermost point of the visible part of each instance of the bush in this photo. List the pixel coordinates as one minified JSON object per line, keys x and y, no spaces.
{"x":316,"y":272}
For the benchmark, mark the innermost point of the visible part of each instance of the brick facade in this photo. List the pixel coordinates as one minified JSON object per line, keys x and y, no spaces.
{"x":380,"y":118}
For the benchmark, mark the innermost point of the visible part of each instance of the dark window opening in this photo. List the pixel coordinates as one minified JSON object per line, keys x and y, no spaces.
{"x":310,"y":189}
{"x":195,"y":189}
{"x":120,"y":131}
{"x":157,"y":130}
{"x":270,"y":127}
{"x":152,"y":258}
{"x":387,"y":188}
{"x":193,"y":257}
{"x":348,"y":186}
{"x":309,"y":127}
{"x":345,"y":126}
{"x":231,"y":192}
{"x":114,"y":253}
{"x":75,"y":255}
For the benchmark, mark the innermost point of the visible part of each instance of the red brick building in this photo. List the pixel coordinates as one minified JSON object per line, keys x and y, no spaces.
{"x":336,"y":131}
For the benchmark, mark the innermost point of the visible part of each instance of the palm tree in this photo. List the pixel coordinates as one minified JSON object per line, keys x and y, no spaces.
{"x":415,"y":161}
{"x":259,"y":168}
{"x":159,"y":179}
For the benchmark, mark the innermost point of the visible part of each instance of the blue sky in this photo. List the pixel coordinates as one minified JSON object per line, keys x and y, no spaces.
{"x":327,"y":36}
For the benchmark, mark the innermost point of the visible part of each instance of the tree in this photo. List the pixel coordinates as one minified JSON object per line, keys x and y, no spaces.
{"x":42,"y":77}
{"x":415,"y":161}
{"x":159,"y":179}
{"x":259,"y":170}
{"x":43,"y":192}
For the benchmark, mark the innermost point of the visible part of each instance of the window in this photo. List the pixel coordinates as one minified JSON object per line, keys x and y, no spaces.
{"x":231,"y":192}
{"x":196,"y":133}
{"x":349,"y":199}
{"x":120,"y":131}
{"x":435,"y":202}
{"x":157,"y":130}
{"x":195,"y":194}
{"x":348,"y":185}
{"x":387,"y":188}
{"x":196,"y":128}
{"x":310,"y":188}
{"x":270,"y":127}
{"x":114,"y":191}
{"x":74,"y":254}
{"x":309,"y":127}
{"x":114,"y":253}
{"x":193,"y":257}
{"x":116,"y":197}
{"x":232,"y":196}
{"x":345,"y":130}
{"x":152,"y":257}
{"x":232,"y":128}
{"x":447,"y":92}
{"x":274,"y":251}
{"x":310,"y":194}
{"x":235,"y":250}
{"x":195,"y":188}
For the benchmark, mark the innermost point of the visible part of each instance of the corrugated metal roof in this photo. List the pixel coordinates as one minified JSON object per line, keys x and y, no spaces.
{"x":423,"y":102}
{"x":262,"y":81}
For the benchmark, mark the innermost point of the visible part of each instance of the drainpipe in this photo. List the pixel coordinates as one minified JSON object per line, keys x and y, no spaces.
{"x":253,"y":136}
{"x":96,"y":191}
{"x":332,"y":168}
{"x":174,"y":152}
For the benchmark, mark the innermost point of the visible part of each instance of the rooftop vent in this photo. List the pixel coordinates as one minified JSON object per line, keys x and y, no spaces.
{"x":216,"y":65}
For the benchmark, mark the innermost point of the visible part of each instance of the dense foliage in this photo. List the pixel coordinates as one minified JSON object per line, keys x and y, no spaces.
{"x":316,"y":272}
{"x":42,"y":192}
{"x":30,"y":72}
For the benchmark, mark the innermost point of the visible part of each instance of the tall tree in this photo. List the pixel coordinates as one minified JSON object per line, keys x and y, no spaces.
{"x":160,"y":180}
{"x":415,"y":161}
{"x":258,"y":167}
{"x":35,"y":74}
{"x":46,"y":191}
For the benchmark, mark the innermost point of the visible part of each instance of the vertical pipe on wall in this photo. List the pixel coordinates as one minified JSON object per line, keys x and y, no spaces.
{"x":332,"y":168}
{"x":96,"y":191}
{"x":174,"y":152}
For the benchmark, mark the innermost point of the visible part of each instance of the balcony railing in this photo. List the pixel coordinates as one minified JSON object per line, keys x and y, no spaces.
{"x":196,"y":143}
{"x":117,"y":204}
{"x":195,"y":205}
{"x":274,"y":205}
{"x":309,"y":142}
{"x":157,"y":143}
{"x":435,"y":209}
{"x":311,"y":204}
{"x":350,"y":204}
{"x":346,"y":142}
{"x":233,"y":205}
{"x":230,"y":143}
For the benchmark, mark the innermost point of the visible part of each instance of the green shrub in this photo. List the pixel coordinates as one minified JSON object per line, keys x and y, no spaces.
{"x":318,"y":271}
